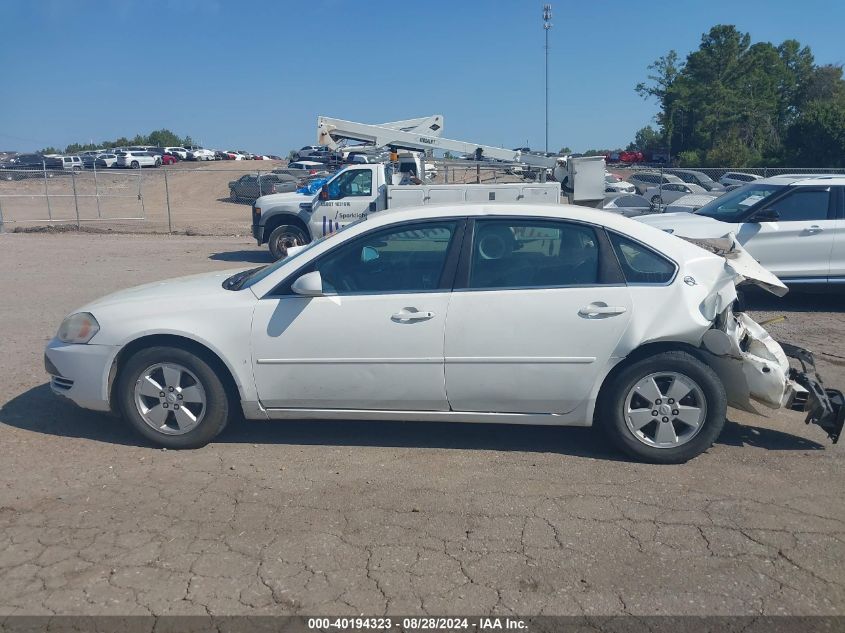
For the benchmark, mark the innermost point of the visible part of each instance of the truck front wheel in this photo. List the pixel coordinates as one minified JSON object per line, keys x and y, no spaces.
{"x":285,"y":236}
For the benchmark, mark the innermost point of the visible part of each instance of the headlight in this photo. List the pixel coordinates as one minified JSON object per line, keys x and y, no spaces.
{"x":78,"y":328}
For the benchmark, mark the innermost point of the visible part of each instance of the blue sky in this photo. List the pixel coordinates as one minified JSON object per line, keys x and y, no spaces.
{"x":255,"y":75}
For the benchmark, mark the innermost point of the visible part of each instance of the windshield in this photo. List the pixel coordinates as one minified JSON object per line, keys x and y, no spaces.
{"x":732,"y":206}
{"x":249,"y":278}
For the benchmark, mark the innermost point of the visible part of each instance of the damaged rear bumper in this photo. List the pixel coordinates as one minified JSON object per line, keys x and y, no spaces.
{"x":755,"y":369}
{"x":825,"y":407}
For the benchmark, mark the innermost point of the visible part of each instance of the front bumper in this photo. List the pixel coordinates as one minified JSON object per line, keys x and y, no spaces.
{"x":80,"y":372}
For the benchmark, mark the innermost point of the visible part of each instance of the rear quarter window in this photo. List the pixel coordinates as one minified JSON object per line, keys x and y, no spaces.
{"x":640,"y":264}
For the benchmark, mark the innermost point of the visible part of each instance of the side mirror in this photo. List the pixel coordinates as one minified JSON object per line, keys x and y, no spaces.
{"x":324,"y":192}
{"x":309,"y":285}
{"x":765,"y":215}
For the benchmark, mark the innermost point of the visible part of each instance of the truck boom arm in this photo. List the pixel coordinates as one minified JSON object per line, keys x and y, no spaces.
{"x":418,"y":135}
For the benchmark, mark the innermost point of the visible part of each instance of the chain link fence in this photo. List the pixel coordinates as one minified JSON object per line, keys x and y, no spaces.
{"x":205,"y":199}
{"x":214,"y":198}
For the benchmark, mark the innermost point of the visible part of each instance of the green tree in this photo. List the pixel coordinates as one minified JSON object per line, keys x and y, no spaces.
{"x":647,"y":139}
{"x":164,"y":138}
{"x":817,"y":137}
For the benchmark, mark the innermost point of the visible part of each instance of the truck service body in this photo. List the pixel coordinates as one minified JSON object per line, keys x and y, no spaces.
{"x":292,"y":219}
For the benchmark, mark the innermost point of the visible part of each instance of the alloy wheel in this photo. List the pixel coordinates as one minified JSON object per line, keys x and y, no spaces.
{"x":170,"y":398}
{"x":665,"y":410}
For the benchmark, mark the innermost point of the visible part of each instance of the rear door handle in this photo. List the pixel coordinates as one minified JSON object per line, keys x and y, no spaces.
{"x":814,"y":229}
{"x":601,"y":310}
{"x":407,"y":315}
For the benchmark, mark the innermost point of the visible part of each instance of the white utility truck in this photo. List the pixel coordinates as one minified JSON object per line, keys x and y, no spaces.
{"x":294,"y":219}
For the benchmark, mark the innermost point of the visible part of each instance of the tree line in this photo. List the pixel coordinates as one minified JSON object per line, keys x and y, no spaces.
{"x":157,"y":138}
{"x":736,"y":103}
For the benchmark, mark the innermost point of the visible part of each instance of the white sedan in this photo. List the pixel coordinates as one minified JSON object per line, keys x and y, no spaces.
{"x":670,"y":192}
{"x":555,"y":315}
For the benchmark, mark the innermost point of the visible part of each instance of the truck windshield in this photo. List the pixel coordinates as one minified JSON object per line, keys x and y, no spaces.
{"x":247,"y":278}
{"x":732,"y":206}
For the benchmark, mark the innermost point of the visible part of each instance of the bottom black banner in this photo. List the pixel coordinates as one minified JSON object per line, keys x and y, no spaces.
{"x":373,"y":624}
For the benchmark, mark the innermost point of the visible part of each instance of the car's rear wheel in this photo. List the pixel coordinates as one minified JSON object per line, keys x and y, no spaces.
{"x":284,"y":237}
{"x":656,"y":201}
{"x":665,"y":409}
{"x":173,"y":397}
{"x":135,"y":164}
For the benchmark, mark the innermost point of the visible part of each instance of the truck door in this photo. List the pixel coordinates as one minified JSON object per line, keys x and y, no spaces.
{"x":348,"y":196}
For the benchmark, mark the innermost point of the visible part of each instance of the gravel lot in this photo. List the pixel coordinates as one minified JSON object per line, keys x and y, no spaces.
{"x":351,"y":518}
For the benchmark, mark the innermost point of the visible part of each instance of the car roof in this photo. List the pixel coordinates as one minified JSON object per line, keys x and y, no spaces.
{"x":802,"y":179}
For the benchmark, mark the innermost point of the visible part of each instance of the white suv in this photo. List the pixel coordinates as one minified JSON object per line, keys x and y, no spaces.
{"x":793,"y":225}
{"x":136,"y":160}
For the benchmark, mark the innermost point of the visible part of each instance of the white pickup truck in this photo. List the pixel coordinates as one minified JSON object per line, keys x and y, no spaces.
{"x":292,"y":219}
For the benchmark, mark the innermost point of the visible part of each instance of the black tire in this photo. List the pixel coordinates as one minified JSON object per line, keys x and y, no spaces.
{"x":135,"y":164}
{"x":284,"y":236}
{"x":217,"y":406}
{"x":611,"y":407}
{"x":656,"y":201}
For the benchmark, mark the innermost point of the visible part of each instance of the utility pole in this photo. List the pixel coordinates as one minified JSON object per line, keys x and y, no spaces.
{"x":547,"y":25}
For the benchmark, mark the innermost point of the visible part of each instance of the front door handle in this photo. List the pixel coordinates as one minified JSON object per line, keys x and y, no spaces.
{"x":814,"y":229}
{"x":596,"y":309}
{"x":406,"y":315}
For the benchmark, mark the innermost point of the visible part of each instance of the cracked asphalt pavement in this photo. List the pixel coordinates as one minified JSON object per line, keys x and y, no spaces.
{"x":372,"y":518}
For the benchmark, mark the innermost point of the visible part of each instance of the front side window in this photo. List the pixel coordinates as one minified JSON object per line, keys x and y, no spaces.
{"x":640,"y":264}
{"x":398,"y":260}
{"x":732,"y":206}
{"x":354,"y":182}
{"x":532,"y":254}
{"x":802,"y":204}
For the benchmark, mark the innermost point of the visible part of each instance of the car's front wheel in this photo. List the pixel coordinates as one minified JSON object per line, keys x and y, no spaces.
{"x":665,"y":409}
{"x":135,"y":164}
{"x":173,"y":397}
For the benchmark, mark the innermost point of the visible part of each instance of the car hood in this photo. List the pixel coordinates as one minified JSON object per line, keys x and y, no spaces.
{"x":284,"y":198}
{"x":688,"y":224}
{"x":166,"y":291}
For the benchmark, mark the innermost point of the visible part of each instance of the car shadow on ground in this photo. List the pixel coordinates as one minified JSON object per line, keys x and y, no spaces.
{"x":240,"y":201}
{"x":39,"y":411}
{"x":250,"y":257}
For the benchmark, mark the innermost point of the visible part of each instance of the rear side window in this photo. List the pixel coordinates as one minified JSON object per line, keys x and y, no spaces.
{"x":640,"y":264}
{"x":533,"y":254}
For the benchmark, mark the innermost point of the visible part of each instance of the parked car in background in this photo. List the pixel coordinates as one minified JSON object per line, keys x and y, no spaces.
{"x":247,"y":187}
{"x":793,"y":225}
{"x":71,"y":163}
{"x":303,"y":168}
{"x":614,"y":184}
{"x":20,"y":166}
{"x":593,"y":315}
{"x":106,"y":161}
{"x":663,"y":194}
{"x":168,"y":159}
{"x":627,"y":204}
{"x":221,"y":155}
{"x":695,"y":177}
{"x":642,"y":180}
{"x":200,"y":153}
{"x":236,"y":154}
{"x":690,"y":203}
{"x":136,"y":159}
{"x":309,"y":150}
{"x":180,"y":152}
{"x":738,"y":178}
{"x":625,"y":157}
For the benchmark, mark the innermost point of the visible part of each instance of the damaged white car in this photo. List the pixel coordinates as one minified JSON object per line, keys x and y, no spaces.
{"x":518,"y":314}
